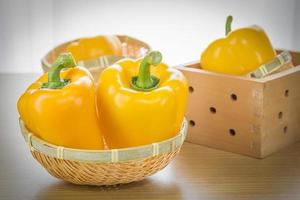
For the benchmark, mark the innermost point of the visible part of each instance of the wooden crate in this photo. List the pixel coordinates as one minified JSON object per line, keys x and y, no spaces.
{"x":254,"y":117}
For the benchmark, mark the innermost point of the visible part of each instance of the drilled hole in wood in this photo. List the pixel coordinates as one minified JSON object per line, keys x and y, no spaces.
{"x":232,"y":132}
{"x":192,"y":123}
{"x":213,"y":110}
{"x":191,"y":89}
{"x":286,"y":93}
{"x":233,"y":97}
{"x":280,"y":115}
{"x":285,"y":129}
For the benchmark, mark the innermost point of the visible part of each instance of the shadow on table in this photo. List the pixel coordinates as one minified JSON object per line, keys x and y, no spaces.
{"x":145,"y":189}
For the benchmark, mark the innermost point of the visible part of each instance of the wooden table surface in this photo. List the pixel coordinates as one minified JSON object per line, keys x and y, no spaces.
{"x":197,"y":173}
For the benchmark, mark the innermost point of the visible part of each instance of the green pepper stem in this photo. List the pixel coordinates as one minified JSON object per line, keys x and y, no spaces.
{"x":144,"y":81}
{"x":228,"y":24}
{"x":64,"y":60}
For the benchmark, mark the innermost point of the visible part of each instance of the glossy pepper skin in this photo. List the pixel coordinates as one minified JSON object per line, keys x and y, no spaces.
{"x":64,"y":112}
{"x":95,"y":47}
{"x":240,"y":52}
{"x":138,"y":109}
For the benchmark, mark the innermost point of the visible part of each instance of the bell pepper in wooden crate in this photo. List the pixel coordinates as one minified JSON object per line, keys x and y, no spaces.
{"x":250,"y":116}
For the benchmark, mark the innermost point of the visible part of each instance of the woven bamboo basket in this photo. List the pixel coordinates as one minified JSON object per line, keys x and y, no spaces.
{"x":104,"y":167}
{"x":131,"y":48}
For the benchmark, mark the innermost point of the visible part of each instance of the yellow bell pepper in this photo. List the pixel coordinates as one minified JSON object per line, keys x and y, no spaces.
{"x":137,"y":108}
{"x":95,"y":47}
{"x":240,"y":52}
{"x":60,"y":107}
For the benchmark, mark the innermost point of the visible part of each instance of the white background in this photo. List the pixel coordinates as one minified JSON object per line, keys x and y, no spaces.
{"x":179,"y":29}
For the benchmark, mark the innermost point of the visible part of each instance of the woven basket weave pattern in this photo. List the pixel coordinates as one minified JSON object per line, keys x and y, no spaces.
{"x":104,"y":167}
{"x":103,"y":173}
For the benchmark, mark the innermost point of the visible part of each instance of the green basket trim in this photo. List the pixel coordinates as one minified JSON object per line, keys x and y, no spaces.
{"x":103,"y":61}
{"x":270,"y":67}
{"x":105,"y":156}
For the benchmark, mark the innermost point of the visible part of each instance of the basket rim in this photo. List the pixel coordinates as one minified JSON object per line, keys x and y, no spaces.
{"x":46,"y":64}
{"x":106,"y":156}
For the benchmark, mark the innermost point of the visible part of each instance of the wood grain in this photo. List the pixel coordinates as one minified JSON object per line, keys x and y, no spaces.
{"x":197,"y":173}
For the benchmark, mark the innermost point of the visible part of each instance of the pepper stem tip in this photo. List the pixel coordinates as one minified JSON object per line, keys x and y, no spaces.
{"x":228,"y":24}
{"x":145,"y":81}
{"x":64,"y":60}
